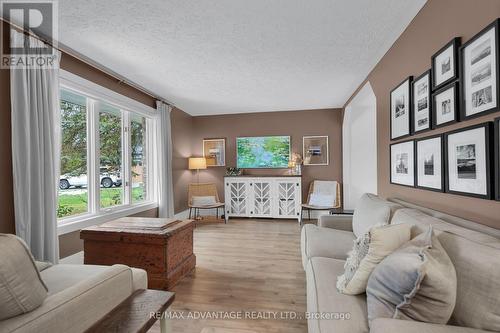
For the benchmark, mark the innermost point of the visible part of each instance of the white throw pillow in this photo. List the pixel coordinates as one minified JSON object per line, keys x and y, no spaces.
{"x":369,"y":250}
{"x":21,"y":287}
{"x":203,"y":200}
{"x":321,"y":200}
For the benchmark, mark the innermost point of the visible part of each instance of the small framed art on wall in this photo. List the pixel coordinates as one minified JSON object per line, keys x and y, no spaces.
{"x":421,"y":89}
{"x":430,"y":163}
{"x":403,"y":163}
{"x":467,"y":152}
{"x":480,"y":73}
{"x":400,"y":101}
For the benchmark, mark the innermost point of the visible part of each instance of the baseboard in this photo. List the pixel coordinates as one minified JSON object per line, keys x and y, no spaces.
{"x":182,"y":215}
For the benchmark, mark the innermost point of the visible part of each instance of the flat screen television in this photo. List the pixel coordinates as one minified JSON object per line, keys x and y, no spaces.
{"x":267,"y":152}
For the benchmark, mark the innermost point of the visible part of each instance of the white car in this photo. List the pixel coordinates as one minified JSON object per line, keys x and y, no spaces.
{"x":107,"y":180}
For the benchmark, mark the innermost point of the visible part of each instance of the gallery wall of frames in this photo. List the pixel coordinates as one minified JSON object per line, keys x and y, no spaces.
{"x":463,"y":83}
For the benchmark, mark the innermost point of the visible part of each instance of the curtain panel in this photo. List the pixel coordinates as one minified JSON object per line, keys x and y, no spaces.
{"x":36,"y":153}
{"x":164,"y":158}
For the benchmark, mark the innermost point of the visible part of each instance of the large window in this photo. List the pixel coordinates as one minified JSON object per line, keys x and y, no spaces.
{"x":105,"y":157}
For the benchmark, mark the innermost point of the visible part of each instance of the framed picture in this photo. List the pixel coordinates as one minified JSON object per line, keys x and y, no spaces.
{"x":315,"y":150}
{"x":480,"y":73}
{"x":430,"y":163}
{"x":497,"y":158}
{"x":445,"y":64}
{"x":421,"y":87}
{"x":214,"y":151}
{"x":400,"y":109}
{"x":403,"y":163}
{"x":445,"y":105}
{"x":467,"y":152}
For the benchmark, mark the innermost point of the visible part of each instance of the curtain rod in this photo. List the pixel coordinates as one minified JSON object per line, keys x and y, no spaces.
{"x":69,"y":51}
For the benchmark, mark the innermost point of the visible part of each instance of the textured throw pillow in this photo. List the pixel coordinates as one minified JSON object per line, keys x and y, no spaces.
{"x":203,"y":200}
{"x":321,"y":200}
{"x":369,"y":250}
{"x":416,"y":282}
{"x":21,"y":287}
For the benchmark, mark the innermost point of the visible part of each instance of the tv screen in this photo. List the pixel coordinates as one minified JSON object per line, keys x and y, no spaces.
{"x":263,"y":152}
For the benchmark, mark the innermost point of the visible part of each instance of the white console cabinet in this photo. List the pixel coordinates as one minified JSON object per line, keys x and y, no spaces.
{"x":268,"y":197}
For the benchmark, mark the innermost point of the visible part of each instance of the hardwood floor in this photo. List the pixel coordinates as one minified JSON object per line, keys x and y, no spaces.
{"x":243,"y":266}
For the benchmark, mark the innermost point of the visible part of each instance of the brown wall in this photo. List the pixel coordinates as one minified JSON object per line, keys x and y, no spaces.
{"x":182,"y":132}
{"x":294,"y":123}
{"x":436,"y":24}
{"x":6,"y":194}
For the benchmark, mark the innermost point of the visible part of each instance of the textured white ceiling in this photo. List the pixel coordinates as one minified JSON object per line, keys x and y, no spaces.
{"x":232,"y":56}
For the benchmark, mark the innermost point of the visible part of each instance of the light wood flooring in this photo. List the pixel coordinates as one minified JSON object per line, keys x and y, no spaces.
{"x":245,"y":265}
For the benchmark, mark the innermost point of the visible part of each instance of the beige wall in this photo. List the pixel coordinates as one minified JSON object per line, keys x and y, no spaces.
{"x":436,"y":24}
{"x":294,"y":123}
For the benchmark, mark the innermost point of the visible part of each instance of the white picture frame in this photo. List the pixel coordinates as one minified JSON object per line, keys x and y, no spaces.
{"x":214,"y":151}
{"x":315,"y":150}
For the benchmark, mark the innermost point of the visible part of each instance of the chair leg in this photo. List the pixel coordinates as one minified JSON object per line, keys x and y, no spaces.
{"x":300,"y":218}
{"x":190,"y":209}
{"x":309,"y":214}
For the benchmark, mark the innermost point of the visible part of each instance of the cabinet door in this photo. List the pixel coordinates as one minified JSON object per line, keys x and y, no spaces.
{"x":236,"y":195}
{"x":261,"y":198}
{"x":288,"y":198}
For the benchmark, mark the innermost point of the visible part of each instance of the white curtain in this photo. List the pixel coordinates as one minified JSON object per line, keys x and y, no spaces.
{"x":35,"y":154}
{"x":164,"y":157}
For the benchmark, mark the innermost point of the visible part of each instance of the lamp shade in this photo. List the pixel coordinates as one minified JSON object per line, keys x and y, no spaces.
{"x":197,"y":163}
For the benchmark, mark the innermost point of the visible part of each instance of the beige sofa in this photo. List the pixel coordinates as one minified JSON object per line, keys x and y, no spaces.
{"x":474,"y":250}
{"x":79,"y":295}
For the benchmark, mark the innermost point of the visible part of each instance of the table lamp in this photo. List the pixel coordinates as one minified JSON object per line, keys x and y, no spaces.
{"x":197,"y":163}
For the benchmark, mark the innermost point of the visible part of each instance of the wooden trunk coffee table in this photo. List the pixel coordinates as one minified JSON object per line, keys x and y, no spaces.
{"x":162,"y":247}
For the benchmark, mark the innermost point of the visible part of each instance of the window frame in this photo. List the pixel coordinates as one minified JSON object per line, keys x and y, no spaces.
{"x":95,"y":94}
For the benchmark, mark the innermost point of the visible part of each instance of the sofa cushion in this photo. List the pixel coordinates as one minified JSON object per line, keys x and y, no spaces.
{"x":386,"y":325}
{"x":475,"y":257}
{"x":371,"y":210}
{"x":60,"y":277}
{"x":416,"y":282}
{"x":369,"y":250}
{"x":347,"y":313}
{"x":21,"y":288}
{"x":77,"y":307}
{"x":324,"y":242}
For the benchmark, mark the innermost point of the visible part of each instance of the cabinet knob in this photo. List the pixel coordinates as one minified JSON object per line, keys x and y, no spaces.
{"x":227,"y":184}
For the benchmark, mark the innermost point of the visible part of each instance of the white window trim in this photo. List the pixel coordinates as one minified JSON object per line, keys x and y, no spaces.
{"x":93,"y":91}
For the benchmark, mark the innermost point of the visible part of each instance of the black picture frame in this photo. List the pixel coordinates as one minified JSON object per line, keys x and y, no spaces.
{"x":455,"y":44}
{"x":429,"y":103}
{"x":457,"y":105}
{"x":463,"y":108}
{"x":409,"y":79}
{"x":496,"y":145}
{"x":414,"y":163}
{"x":443,"y":167}
{"x":488,"y":128}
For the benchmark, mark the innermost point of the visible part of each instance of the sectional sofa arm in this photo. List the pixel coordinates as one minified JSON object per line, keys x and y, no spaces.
{"x":387,"y":325}
{"x":340,"y":222}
